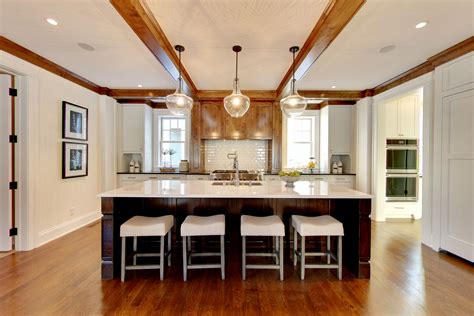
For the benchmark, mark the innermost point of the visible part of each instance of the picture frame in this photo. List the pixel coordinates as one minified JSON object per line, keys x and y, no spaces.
{"x":75,"y":121}
{"x":75,"y":160}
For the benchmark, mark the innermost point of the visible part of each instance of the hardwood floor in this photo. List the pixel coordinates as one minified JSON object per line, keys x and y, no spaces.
{"x":63,"y":277}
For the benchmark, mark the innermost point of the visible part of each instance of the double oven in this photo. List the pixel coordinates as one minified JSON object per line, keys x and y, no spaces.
{"x":401,"y":182}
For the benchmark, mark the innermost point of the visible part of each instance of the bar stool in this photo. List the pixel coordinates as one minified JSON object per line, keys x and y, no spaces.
{"x":262,"y":226}
{"x":202,"y":226}
{"x":317,"y":226}
{"x":142,"y":226}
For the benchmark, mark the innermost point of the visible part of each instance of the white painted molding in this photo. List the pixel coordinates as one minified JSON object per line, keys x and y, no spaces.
{"x":64,"y":228}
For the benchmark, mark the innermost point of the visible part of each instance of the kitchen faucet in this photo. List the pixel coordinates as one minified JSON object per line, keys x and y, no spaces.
{"x":234,"y":156}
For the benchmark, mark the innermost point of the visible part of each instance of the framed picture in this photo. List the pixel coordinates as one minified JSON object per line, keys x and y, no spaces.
{"x":74,"y":121}
{"x":75,"y":160}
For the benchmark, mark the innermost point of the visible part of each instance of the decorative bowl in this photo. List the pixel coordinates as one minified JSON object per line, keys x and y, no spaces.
{"x":290,"y":180}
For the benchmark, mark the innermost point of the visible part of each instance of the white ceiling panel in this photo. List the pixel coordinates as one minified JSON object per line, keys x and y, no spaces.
{"x":352,"y":61}
{"x":264,"y":28}
{"x":120,"y":59}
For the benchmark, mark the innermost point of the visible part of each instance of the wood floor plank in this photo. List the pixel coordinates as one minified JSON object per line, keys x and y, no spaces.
{"x":63,"y":277}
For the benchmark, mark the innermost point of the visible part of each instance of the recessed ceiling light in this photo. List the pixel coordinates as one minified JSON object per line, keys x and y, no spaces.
{"x":333,"y":87}
{"x":139,"y":86}
{"x":86,"y":46}
{"x":387,"y":49}
{"x":421,"y":25}
{"x":52,"y":21}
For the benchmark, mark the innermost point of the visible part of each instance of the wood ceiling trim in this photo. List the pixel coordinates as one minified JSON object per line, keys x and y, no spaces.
{"x":221,"y":94}
{"x":335,"y":17}
{"x":141,"y":20}
{"x":35,"y":59}
{"x":332,"y":94}
{"x":429,"y":65}
{"x":139,"y":93}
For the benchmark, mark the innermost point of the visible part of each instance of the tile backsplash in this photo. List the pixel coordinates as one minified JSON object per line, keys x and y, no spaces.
{"x":253,"y":154}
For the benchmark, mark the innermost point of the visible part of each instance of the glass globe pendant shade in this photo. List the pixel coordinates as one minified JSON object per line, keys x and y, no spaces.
{"x":179,"y":103}
{"x":236,"y":104}
{"x":293,"y":105}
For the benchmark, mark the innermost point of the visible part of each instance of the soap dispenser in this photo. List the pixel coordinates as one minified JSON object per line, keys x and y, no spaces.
{"x":131,"y":166}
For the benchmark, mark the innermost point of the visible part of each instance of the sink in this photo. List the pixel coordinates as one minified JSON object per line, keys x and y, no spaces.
{"x":241,"y":183}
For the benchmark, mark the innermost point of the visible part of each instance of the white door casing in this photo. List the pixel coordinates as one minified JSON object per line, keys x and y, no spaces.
{"x":5,"y":164}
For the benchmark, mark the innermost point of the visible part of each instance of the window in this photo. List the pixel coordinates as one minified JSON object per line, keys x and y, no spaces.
{"x":302,"y":139}
{"x":172,"y":135}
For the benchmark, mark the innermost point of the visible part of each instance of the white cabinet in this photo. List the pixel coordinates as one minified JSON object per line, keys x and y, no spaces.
{"x":128,"y":179}
{"x":335,"y":134}
{"x":402,"y":116}
{"x":137,"y":132}
{"x":346,"y":181}
{"x":197,"y":177}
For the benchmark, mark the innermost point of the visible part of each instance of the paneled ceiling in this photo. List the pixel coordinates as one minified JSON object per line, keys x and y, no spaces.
{"x":120,"y":59}
{"x":353,"y":61}
{"x":264,"y":28}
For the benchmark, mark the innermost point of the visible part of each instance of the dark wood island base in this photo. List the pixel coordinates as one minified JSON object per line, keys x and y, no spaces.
{"x":353,"y":213}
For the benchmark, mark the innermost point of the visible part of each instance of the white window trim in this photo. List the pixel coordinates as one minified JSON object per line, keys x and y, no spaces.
{"x":315,"y":136}
{"x":157,"y":115}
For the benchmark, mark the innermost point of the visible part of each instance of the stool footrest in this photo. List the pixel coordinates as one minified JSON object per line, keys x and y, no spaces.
{"x":204,"y":254}
{"x":262,"y":266}
{"x":203,"y":266}
{"x":143,"y":267}
{"x":261,"y":254}
{"x":321,"y":266}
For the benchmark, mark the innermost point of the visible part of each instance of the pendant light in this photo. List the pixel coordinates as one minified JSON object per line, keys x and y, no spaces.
{"x":236,"y":104}
{"x":179,"y":103}
{"x":293,"y":105}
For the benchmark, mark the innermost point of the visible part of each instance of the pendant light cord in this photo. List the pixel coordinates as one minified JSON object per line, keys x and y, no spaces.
{"x":293,"y":81}
{"x":179,"y":69}
{"x":236,"y":65}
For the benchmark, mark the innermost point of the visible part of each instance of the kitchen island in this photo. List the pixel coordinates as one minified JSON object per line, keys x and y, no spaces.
{"x":183,"y":197}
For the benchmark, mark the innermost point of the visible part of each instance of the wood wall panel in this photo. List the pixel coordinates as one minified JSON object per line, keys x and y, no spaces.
{"x":212,"y":121}
{"x":195,"y":146}
{"x":276,"y":138}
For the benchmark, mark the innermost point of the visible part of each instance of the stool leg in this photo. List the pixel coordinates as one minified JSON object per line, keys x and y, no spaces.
{"x":122,"y":265}
{"x":189,"y":249}
{"x":185,"y":268}
{"x":162,"y":256}
{"x":169,"y":248}
{"x":243,"y":258}
{"x":339,"y":258}
{"x":277,"y":248}
{"x":281,"y":257}
{"x":303,"y":256}
{"x":135,"y":250}
{"x":222,"y":258}
{"x":328,"y":248}
{"x":295,"y":247}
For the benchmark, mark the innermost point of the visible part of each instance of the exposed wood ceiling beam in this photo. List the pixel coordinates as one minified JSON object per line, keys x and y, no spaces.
{"x":140,"y":18}
{"x":335,"y":17}
{"x":31,"y":57}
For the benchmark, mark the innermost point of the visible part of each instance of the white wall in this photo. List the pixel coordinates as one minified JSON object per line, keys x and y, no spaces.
{"x":364,"y":145}
{"x":53,"y":206}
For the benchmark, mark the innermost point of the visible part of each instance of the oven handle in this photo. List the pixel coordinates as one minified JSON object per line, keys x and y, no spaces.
{"x":403,"y":147}
{"x":402,"y":175}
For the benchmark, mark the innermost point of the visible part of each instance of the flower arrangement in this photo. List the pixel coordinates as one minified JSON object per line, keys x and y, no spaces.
{"x":166,"y":152}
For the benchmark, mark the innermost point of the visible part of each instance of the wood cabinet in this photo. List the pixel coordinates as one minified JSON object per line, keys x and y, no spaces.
{"x":401,"y":117}
{"x":212,"y":120}
{"x":257,"y":123}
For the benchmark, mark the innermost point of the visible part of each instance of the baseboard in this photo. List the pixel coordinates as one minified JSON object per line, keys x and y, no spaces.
{"x":62,"y":229}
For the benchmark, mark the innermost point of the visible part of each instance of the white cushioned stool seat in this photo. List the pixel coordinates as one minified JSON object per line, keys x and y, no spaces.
{"x":261,"y":226}
{"x":138,"y":226}
{"x":324,"y":225}
{"x":203,"y":225}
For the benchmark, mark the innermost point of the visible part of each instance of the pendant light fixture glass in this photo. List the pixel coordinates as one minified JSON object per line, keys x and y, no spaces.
{"x":179,"y":103}
{"x":236,"y":104}
{"x":293,"y":105}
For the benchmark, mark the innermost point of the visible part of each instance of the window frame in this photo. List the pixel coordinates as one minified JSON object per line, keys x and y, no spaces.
{"x":314,"y":115}
{"x":158,"y":115}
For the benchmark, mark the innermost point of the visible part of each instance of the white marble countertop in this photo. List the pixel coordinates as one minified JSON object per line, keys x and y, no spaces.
{"x":205,"y":189}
